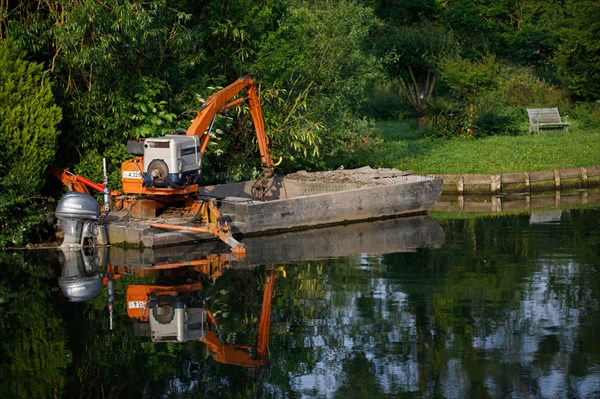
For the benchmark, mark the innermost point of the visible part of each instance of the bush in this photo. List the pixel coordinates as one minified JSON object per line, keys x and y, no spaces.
{"x":495,"y":123}
{"x":28,"y":138}
{"x":586,"y":115}
{"x":20,"y":216}
{"x":446,"y":117}
{"x":521,"y":87}
{"x":384,"y":105}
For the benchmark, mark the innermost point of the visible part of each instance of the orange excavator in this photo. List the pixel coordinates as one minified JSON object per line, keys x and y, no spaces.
{"x":170,"y":165}
{"x":178,"y":313}
{"x":166,"y":171}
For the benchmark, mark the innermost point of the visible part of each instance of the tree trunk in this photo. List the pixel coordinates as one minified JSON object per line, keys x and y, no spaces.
{"x":417,"y":93}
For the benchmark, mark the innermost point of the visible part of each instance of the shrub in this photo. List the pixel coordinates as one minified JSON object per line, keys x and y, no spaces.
{"x":446,"y":117}
{"x":28,"y":138}
{"x":384,"y":105}
{"x":495,"y":123}
{"x":587,"y":115}
{"x":520,"y":86}
{"x":471,"y":78}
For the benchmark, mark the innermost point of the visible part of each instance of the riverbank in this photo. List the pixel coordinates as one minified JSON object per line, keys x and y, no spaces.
{"x":405,"y":148}
{"x":522,"y":182}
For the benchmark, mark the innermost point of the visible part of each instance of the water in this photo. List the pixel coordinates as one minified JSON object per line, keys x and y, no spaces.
{"x":498,"y":307}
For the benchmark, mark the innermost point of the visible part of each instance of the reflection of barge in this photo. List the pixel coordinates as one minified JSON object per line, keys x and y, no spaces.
{"x":79,"y":278}
{"x":406,"y":234}
{"x":168,"y":304}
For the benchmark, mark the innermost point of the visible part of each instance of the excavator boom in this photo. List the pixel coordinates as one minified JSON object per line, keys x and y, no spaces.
{"x":220,"y":102}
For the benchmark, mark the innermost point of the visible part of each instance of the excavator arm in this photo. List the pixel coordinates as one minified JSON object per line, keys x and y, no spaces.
{"x":222,"y":101}
{"x":245,"y":355}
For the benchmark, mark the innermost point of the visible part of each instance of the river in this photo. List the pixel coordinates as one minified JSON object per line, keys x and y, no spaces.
{"x":448,"y":306}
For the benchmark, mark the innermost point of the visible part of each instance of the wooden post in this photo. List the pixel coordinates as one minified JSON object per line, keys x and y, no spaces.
{"x":460,"y":184}
{"x":496,"y":183}
{"x":557,"y":179}
{"x":584,"y":177}
{"x":496,"y":203}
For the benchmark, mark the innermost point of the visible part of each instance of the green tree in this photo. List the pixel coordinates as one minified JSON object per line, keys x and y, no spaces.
{"x":406,"y":12}
{"x":28,"y":139}
{"x":470,"y":79}
{"x":577,"y":58}
{"x":411,"y":56}
{"x":236,"y":30}
{"x":317,"y":73}
{"x":131,"y":71}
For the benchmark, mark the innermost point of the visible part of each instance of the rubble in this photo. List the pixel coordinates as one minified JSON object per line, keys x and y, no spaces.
{"x":365,"y":175}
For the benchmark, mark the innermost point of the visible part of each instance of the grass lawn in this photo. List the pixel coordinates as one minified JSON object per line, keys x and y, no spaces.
{"x":406,"y":148}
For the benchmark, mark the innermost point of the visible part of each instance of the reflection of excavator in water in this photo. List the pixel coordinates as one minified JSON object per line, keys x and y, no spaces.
{"x":166,"y":171}
{"x":171,"y":311}
{"x":168,"y":313}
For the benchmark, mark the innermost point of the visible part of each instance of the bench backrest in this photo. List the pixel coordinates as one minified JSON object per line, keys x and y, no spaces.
{"x":543,"y":115}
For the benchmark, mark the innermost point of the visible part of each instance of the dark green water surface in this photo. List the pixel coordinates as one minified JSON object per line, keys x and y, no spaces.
{"x":491,"y":307}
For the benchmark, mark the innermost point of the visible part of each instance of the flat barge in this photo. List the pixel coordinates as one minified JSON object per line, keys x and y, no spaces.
{"x":294,"y":202}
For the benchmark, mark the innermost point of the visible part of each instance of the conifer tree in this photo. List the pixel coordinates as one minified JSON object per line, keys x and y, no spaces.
{"x":28,"y":140}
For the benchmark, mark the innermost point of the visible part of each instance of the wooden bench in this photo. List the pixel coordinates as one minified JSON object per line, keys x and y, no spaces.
{"x":546,"y":118}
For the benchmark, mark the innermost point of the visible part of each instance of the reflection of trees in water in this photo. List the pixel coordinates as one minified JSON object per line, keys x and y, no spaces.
{"x":540,"y":341}
{"x":488,"y":318}
{"x":504,"y":308}
{"x":34,"y":354}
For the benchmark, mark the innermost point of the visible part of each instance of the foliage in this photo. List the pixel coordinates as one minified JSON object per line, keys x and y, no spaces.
{"x":490,"y":90}
{"x":315,"y":65}
{"x":119,"y":70}
{"x":384,"y":103}
{"x":470,"y":78}
{"x":411,"y":54}
{"x":585,"y":115}
{"x":150,"y":110}
{"x":497,"y":122}
{"x":446,"y":116}
{"x":28,"y":140}
{"x":519,"y":86}
{"x":407,"y":12}
{"x":91,"y":165}
{"x":19,"y":215}
{"x":236,"y":30}
{"x":559,"y":40}
{"x":28,"y":118}
{"x":577,"y":58}
{"x":482,"y":25}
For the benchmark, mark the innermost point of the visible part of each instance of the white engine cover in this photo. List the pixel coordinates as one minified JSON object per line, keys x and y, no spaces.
{"x":180,"y":154}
